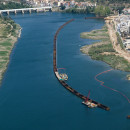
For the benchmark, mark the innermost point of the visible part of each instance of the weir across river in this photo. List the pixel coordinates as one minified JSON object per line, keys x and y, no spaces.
{"x":63,"y":83}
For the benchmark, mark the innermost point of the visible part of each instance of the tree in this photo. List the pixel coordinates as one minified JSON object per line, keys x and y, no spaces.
{"x":62,"y":7}
{"x":102,"y":10}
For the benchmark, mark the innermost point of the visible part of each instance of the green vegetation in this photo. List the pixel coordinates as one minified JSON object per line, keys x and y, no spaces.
{"x":100,"y":34}
{"x":95,"y":51}
{"x":5,"y":43}
{"x":9,"y":31}
{"x":104,"y":1}
{"x":114,"y":5}
{"x":3,"y":53}
{"x":110,"y":1}
{"x":114,"y":61}
{"x":102,"y":10}
{"x":13,"y":5}
{"x":98,"y":10}
{"x":75,"y":10}
{"x":103,"y":50}
{"x":119,"y":40}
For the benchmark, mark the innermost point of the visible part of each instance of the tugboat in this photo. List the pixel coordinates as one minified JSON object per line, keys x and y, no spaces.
{"x":89,"y":103}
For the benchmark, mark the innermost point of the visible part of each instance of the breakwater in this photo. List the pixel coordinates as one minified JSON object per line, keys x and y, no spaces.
{"x":63,"y":83}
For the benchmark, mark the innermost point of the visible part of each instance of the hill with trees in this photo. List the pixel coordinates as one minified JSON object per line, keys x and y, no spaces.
{"x":13,"y":5}
{"x":103,"y":8}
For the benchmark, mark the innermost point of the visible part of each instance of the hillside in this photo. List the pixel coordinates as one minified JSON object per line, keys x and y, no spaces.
{"x":13,"y":5}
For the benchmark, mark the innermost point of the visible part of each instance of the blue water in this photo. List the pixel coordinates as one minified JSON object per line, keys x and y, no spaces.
{"x":31,"y":98}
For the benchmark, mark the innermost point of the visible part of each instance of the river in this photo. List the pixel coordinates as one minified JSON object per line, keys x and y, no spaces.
{"x":31,"y":98}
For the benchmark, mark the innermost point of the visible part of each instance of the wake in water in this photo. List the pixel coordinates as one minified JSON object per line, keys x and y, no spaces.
{"x":102,"y":83}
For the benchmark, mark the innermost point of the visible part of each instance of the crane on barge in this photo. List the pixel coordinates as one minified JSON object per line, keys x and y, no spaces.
{"x":88,"y":102}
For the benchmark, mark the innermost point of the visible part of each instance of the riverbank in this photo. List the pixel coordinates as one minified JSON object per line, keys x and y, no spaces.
{"x":9,"y":33}
{"x":103,"y":50}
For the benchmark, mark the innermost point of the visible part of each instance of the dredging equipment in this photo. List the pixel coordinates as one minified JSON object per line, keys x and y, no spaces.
{"x":88,"y":103}
{"x":62,"y":82}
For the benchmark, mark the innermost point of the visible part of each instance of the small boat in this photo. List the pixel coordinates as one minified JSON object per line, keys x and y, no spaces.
{"x":88,"y":103}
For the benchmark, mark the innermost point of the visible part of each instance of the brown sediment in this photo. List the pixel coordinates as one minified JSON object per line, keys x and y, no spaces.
{"x":63,"y":83}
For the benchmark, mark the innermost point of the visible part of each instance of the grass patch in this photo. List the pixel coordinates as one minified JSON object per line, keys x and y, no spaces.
{"x":95,"y":50}
{"x":105,"y":52}
{"x":116,"y":62}
{"x":8,"y":48}
{"x":119,"y":40}
{"x":3,"y":64}
{"x":100,"y":34}
{"x":8,"y":32}
{"x":3,"y":53}
{"x":6,"y":43}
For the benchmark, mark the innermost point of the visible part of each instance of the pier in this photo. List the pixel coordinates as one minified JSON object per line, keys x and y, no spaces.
{"x":63,"y":83}
{"x":15,"y":11}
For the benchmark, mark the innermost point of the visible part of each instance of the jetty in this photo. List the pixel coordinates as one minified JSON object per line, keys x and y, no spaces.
{"x":63,"y":83}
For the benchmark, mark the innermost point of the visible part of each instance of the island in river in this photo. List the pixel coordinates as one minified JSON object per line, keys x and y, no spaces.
{"x":9,"y":32}
{"x":104,"y":49}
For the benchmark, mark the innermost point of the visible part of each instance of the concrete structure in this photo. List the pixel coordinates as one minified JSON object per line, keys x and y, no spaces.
{"x":47,"y":8}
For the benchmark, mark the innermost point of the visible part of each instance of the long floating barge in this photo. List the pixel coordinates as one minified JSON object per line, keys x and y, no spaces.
{"x":63,"y":83}
{"x":94,"y":17}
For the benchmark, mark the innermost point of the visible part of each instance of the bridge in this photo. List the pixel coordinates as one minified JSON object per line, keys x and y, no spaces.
{"x":15,"y":11}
